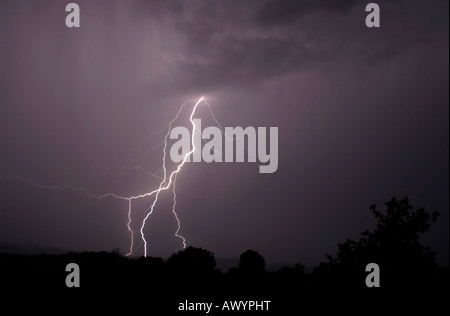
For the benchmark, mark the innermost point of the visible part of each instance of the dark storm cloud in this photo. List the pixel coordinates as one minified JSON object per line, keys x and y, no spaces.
{"x":274,"y":12}
{"x":237,"y":61}
{"x":216,"y":48}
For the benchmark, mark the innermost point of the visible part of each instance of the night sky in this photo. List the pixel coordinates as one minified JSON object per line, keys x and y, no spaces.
{"x":362,"y":114}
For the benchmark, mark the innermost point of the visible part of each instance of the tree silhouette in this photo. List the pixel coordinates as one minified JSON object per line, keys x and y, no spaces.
{"x":193,"y":260}
{"x":252,"y":261}
{"x":191,"y":274}
{"x":294,"y":277}
{"x":193,"y":271}
{"x":394,"y":245}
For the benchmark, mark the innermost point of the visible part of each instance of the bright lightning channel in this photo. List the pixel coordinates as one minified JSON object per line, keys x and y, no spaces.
{"x":162,"y":187}
{"x":174,"y":173}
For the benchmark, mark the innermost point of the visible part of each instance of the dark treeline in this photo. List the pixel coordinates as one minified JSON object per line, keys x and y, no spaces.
{"x":405,"y":265}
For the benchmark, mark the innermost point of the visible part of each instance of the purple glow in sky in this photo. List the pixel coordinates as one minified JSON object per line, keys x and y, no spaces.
{"x":362,"y":116}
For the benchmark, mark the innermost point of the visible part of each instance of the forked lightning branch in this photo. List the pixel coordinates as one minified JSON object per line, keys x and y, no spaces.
{"x":219,"y":145}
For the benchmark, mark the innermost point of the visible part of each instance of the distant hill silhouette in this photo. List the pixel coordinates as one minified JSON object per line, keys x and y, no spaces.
{"x":30,"y":249}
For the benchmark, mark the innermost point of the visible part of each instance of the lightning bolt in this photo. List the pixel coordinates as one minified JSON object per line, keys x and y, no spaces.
{"x":174,"y":173}
{"x":84,"y":191}
{"x":130,"y":230}
{"x":143,"y":170}
{"x":175,"y":213}
{"x":166,"y":182}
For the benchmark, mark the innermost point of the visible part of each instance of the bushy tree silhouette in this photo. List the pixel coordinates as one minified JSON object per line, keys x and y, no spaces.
{"x":193,"y":260}
{"x":193,"y":271}
{"x":394,"y":245}
{"x":252,"y":262}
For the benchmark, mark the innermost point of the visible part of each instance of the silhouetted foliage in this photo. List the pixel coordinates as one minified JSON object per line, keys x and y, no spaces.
{"x":193,"y":260}
{"x":252,"y":261}
{"x":394,"y":245}
{"x":191,"y":273}
{"x":293,"y":277}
